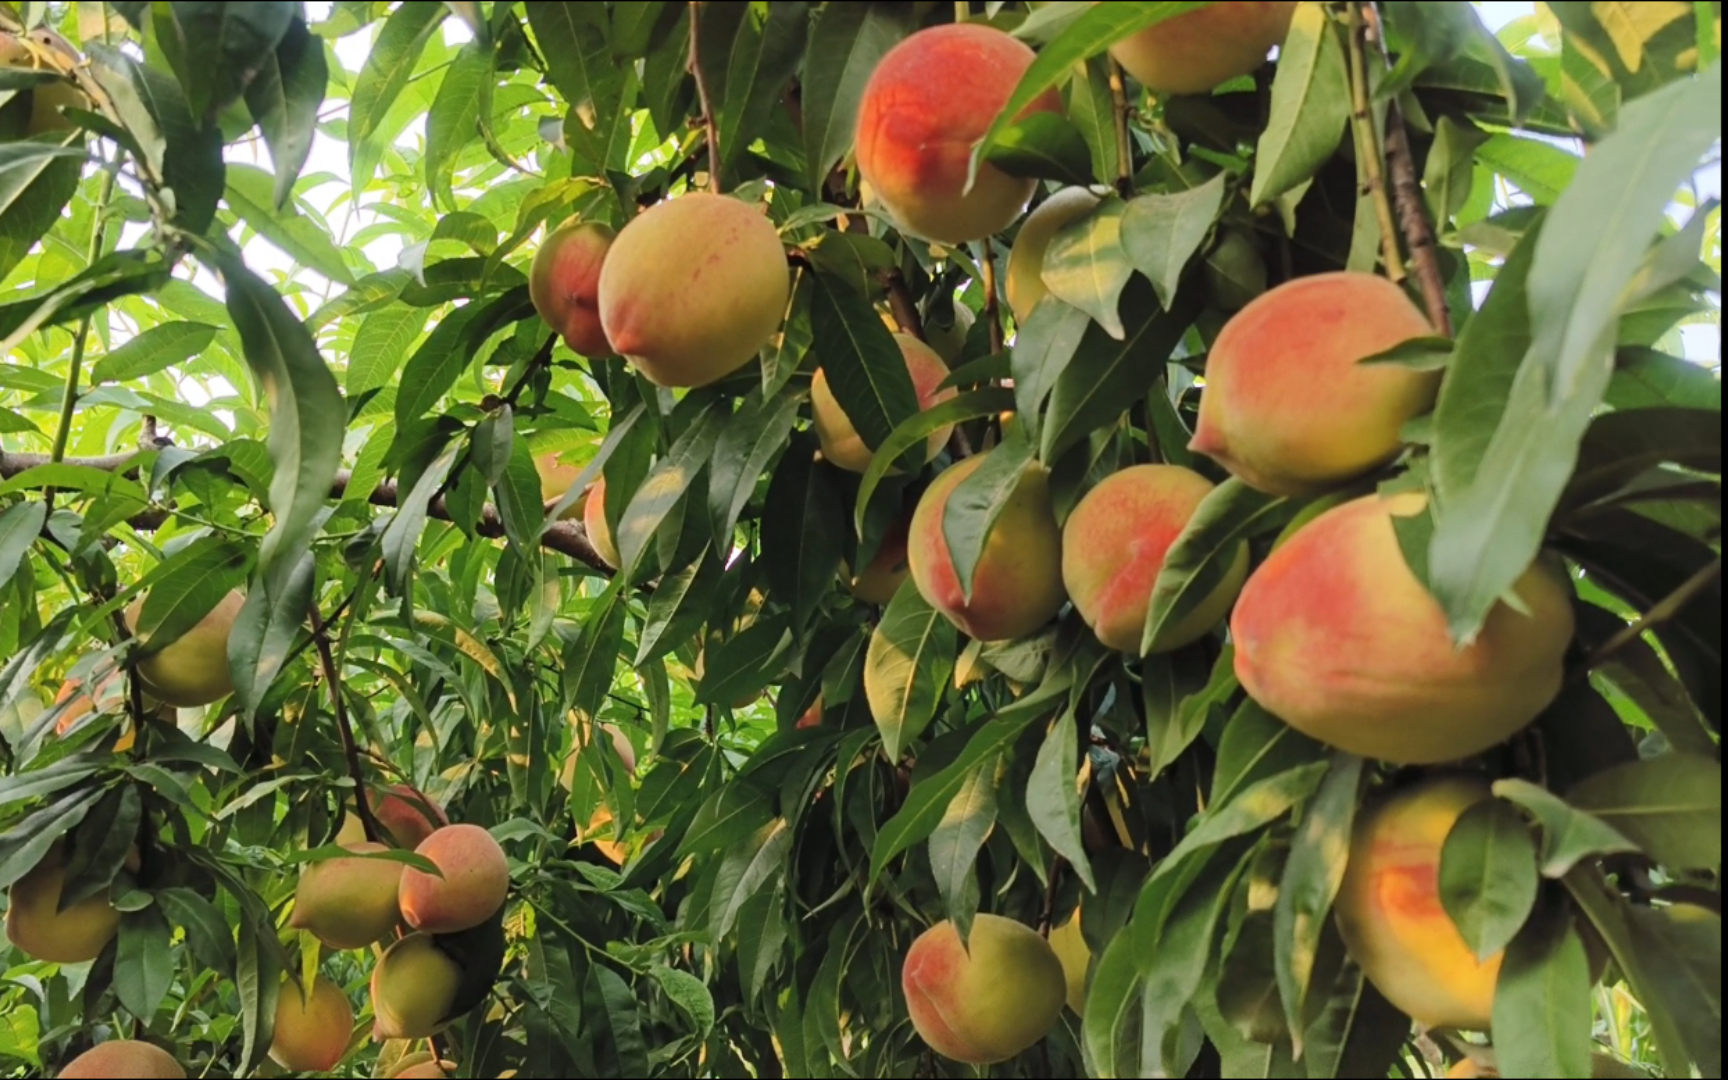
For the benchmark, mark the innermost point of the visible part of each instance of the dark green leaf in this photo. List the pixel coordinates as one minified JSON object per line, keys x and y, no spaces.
{"x":803,"y":526}
{"x":1488,"y":877}
{"x":1542,"y":1006}
{"x":970,"y":513}
{"x":1311,"y":878}
{"x":1670,"y":806}
{"x":1568,"y":834}
{"x":1161,"y":233}
{"x":1053,"y":796}
{"x":862,"y":362}
{"x":957,"y":838}
{"x":1310,"y":107}
{"x":283,"y":98}
{"x":846,"y":42}
{"x":144,"y":965}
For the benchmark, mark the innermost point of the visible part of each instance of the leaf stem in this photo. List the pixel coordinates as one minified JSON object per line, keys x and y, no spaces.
{"x":1368,"y":149}
{"x":992,"y":309}
{"x":1664,"y":610}
{"x":713,"y":131}
{"x":350,"y":751}
{"x":1124,"y":155}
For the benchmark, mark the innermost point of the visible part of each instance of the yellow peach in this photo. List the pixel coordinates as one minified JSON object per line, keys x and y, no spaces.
{"x":1025,"y":282}
{"x":39,"y":928}
{"x":414,"y":987}
{"x":347,"y":902}
{"x":987,"y":1000}
{"x":311,"y":1032}
{"x":192,"y":670}
{"x":123,"y":1057}
{"x":841,"y":443}
{"x":475,"y":882}
{"x":1196,"y":51}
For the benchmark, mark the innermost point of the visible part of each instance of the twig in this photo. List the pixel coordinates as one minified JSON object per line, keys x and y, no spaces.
{"x":1124,"y":156}
{"x":1372,"y":181}
{"x":362,"y":802}
{"x":1412,"y":213}
{"x":713,"y":131}
{"x":900,"y":302}
{"x":992,"y":310}
{"x":1664,"y":610}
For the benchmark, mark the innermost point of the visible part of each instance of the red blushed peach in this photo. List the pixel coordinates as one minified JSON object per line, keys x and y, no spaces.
{"x":564,"y":284}
{"x":1194,"y":52}
{"x":929,"y":100}
{"x":841,"y":443}
{"x":1336,"y":636}
{"x":475,"y":884}
{"x":693,"y":287}
{"x":1389,"y":910}
{"x":403,"y":812}
{"x":887,"y":568}
{"x":1113,"y":548}
{"x":124,"y":1057}
{"x":812,"y":716}
{"x":1017,"y":583}
{"x":594,"y":521}
{"x":1288,"y":406}
{"x":987,"y":1000}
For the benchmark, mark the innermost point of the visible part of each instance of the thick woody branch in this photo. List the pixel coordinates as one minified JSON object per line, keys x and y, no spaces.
{"x":566,"y":537}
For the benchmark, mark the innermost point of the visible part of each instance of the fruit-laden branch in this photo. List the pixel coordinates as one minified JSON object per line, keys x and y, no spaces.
{"x":350,"y":750}
{"x":712,"y":129}
{"x":566,"y":537}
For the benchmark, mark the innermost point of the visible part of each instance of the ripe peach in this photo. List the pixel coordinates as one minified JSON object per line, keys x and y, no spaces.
{"x":1017,"y":583}
{"x":123,"y":1057}
{"x":348,"y":903}
{"x":311,"y":1032}
{"x":193,"y":670}
{"x":841,"y":443}
{"x":1337,"y":637}
{"x":620,"y":743}
{"x":423,"y":1067}
{"x":812,"y":716}
{"x":594,"y":520}
{"x":475,"y":884}
{"x":564,"y":284}
{"x":110,"y":696}
{"x":928,"y":101}
{"x":985,"y":1001}
{"x":1113,"y":548}
{"x":1025,"y":283}
{"x":693,"y":287}
{"x":39,"y":928}
{"x":1071,"y":949}
{"x":1287,"y":407}
{"x":556,"y":477}
{"x":1390,"y":914}
{"x":403,"y":811}
{"x":887,"y":568}
{"x":1192,"y":53}
{"x":414,"y":987}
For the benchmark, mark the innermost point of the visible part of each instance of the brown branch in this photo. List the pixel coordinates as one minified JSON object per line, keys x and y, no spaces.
{"x":713,"y":132}
{"x":992,"y":309}
{"x":1663,"y":610}
{"x":1371,"y":181}
{"x":350,"y":751}
{"x":1124,"y":155}
{"x":566,"y":537}
{"x":1407,"y":191}
{"x":900,"y":302}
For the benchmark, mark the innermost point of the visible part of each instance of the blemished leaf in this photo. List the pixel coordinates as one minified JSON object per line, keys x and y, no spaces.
{"x":846,"y":42}
{"x":306,"y":410}
{"x":1087,"y":266}
{"x":284,"y":97}
{"x":386,"y":72}
{"x":1210,"y":551}
{"x":956,"y":840}
{"x":1310,"y":107}
{"x":1160,"y":233}
{"x":1542,"y":1007}
{"x":1488,"y":879}
{"x":970,"y":514}
{"x":1671,"y":806}
{"x":1311,"y":878}
{"x":1568,"y":834}
{"x":862,"y":362}
{"x":906,"y":668}
{"x":156,"y":349}
{"x":1585,"y":257}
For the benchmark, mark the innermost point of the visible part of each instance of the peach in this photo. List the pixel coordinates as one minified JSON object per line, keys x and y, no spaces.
{"x":556,"y":477}
{"x":37,"y":925}
{"x":1025,"y":283}
{"x":887,"y":568}
{"x":929,"y":100}
{"x":1337,"y":637}
{"x":193,"y":670}
{"x":414,"y":987}
{"x":124,"y":1057}
{"x":475,"y":884}
{"x":403,"y":811}
{"x":346,"y":902}
{"x":1389,"y":911}
{"x":1071,"y":949}
{"x":1113,"y":548}
{"x":1017,"y":583}
{"x":110,"y":696}
{"x":1196,"y":51}
{"x":841,"y":443}
{"x":423,"y":1067}
{"x":47,"y":99}
{"x":987,"y":1000}
{"x":311,"y":1032}
{"x":693,"y":287}
{"x":1288,"y":407}
{"x":564,"y":284}
{"x":812,"y":716}
{"x":594,"y":520}
{"x":620,"y":743}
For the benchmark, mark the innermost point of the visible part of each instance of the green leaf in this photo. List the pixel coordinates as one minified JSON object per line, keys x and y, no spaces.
{"x":1053,"y":796}
{"x":226,"y":44}
{"x":144,"y":964}
{"x":284,"y":97}
{"x":1539,"y":169}
{"x":1356,"y":1031}
{"x":1181,"y":700}
{"x":916,"y":430}
{"x":1086,"y":264}
{"x":670,"y":479}
{"x":765,"y":54}
{"x":31,"y":199}
{"x":449,"y":350}
{"x":463,"y":100}
{"x":906,"y":668}
{"x":24,"y":843}
{"x":1310,"y":107}
{"x":746,"y":869}
{"x":572,"y":38}
{"x":803,"y":526}
{"x":22,"y":162}
{"x":380,"y":344}
{"x":185,"y":587}
{"x":1209,"y":551}
{"x":306,"y":411}
{"x":1046,"y":146}
{"x":156,"y":349}
{"x":1488,"y":879}
{"x":1568,"y":834}
{"x":382,"y":78}
{"x":1542,"y":1007}
{"x":250,"y":196}
{"x":1310,"y":883}
{"x":689,"y":993}
{"x":20,"y":525}
{"x":678,"y":607}
{"x":592,"y":659}
{"x":1585,"y":258}
{"x":267,"y":628}
{"x":1619,"y":447}
{"x":1670,"y":806}
{"x":862,"y":362}
{"x":970,"y":513}
{"x":177,"y":147}
{"x":1161,"y":233}
{"x":957,"y":839}
{"x":845,"y":44}
{"x":746,"y":444}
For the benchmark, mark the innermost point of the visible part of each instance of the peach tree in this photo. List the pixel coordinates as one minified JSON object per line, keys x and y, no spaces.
{"x":860,"y":539}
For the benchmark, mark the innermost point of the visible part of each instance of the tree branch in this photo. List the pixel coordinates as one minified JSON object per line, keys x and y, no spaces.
{"x":992,"y":309}
{"x":1664,"y":610}
{"x":900,"y":302}
{"x":566,"y":537}
{"x":350,"y":751}
{"x":1368,"y":149}
{"x":708,"y":123}
{"x":1124,"y":153}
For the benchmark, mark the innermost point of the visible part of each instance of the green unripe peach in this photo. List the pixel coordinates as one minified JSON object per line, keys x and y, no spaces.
{"x":346,"y":902}
{"x":123,"y":1057}
{"x":311,"y":1031}
{"x":987,"y":1000}
{"x":949,"y":338}
{"x":841,"y":443}
{"x":414,"y":987}
{"x":193,"y":670}
{"x":693,"y":287}
{"x":1196,"y":51}
{"x":1017,"y":583}
{"x":1114,"y":545}
{"x":1025,"y":282}
{"x":474,"y":885}
{"x":564,"y":284}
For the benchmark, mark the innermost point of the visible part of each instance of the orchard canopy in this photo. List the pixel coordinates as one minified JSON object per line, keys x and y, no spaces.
{"x":840,"y":539}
